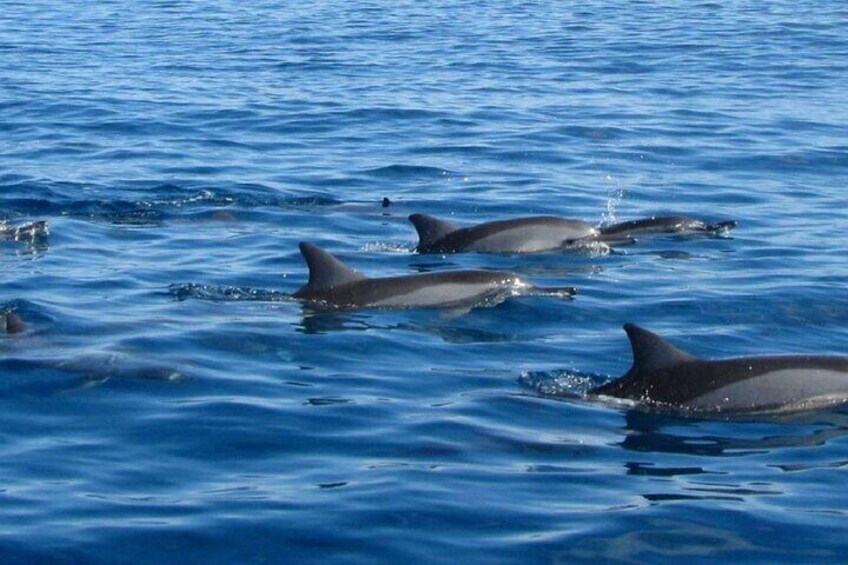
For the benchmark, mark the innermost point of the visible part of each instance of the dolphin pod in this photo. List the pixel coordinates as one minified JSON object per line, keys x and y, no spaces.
{"x":662,"y":375}
{"x":544,"y":233}
{"x":332,"y":283}
{"x":666,"y":376}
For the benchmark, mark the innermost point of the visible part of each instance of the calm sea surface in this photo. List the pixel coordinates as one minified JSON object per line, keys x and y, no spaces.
{"x":168,"y":404}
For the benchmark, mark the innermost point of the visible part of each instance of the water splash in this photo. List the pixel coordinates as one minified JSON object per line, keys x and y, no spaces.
{"x":568,"y":383}
{"x":384,"y":247}
{"x":197,"y":291}
{"x":614,"y":198}
{"x":591,"y":248}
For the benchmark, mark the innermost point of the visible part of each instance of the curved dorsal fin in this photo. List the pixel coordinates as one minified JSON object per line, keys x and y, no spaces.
{"x":325,"y":271}
{"x":12,"y":323}
{"x":651,"y":352}
{"x":430,"y":229}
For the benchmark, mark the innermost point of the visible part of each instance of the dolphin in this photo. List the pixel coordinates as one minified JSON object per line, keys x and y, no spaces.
{"x":95,"y":370}
{"x":332,"y":283}
{"x":666,"y":376}
{"x":517,"y":235}
{"x":533,"y":234}
{"x":665,"y":224}
{"x":11,"y":323}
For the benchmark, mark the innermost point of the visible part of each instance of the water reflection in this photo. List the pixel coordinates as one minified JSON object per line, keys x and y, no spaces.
{"x":437,"y":324}
{"x":663,"y":440}
{"x":661,"y":433}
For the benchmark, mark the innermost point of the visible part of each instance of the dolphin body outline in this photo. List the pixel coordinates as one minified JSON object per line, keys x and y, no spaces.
{"x":534,"y":234}
{"x":666,"y":376}
{"x":332,"y":283}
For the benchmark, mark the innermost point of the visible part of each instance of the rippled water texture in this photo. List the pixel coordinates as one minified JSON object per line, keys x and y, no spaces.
{"x":169,"y":402}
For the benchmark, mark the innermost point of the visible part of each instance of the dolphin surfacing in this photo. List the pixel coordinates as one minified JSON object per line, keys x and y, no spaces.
{"x":332,"y":283}
{"x":665,"y":224}
{"x":535,"y":234}
{"x":666,"y":376}
{"x":518,"y":235}
{"x":11,"y":323}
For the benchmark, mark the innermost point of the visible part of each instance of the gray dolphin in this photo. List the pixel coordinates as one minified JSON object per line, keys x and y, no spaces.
{"x":517,"y":235}
{"x":332,"y":283}
{"x":542,"y":233}
{"x":667,"y":376}
{"x":11,"y":323}
{"x":665,"y":224}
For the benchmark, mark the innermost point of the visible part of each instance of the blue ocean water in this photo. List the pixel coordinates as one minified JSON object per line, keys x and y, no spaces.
{"x":169,"y":404}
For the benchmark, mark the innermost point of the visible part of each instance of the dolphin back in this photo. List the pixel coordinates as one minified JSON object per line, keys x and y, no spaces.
{"x":664,"y":375}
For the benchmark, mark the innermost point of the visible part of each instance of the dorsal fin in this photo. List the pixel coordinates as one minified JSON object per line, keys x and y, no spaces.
{"x":651,"y":352}
{"x":12,"y":323}
{"x":325,"y":271}
{"x":430,"y":229}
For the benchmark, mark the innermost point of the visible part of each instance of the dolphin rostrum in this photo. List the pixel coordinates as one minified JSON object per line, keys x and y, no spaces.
{"x":332,"y":283}
{"x":542,"y":233}
{"x":669,"y":377}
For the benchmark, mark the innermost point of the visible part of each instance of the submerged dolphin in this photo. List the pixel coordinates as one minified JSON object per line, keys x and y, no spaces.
{"x":667,"y":376}
{"x":95,"y":369}
{"x":665,"y":224}
{"x":332,"y":283}
{"x":542,"y":233}
{"x":11,"y":323}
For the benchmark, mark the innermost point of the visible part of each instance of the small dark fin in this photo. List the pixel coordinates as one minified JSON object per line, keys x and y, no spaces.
{"x":325,"y":271}
{"x":430,"y":229}
{"x":651,"y":352}
{"x":13,"y":323}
